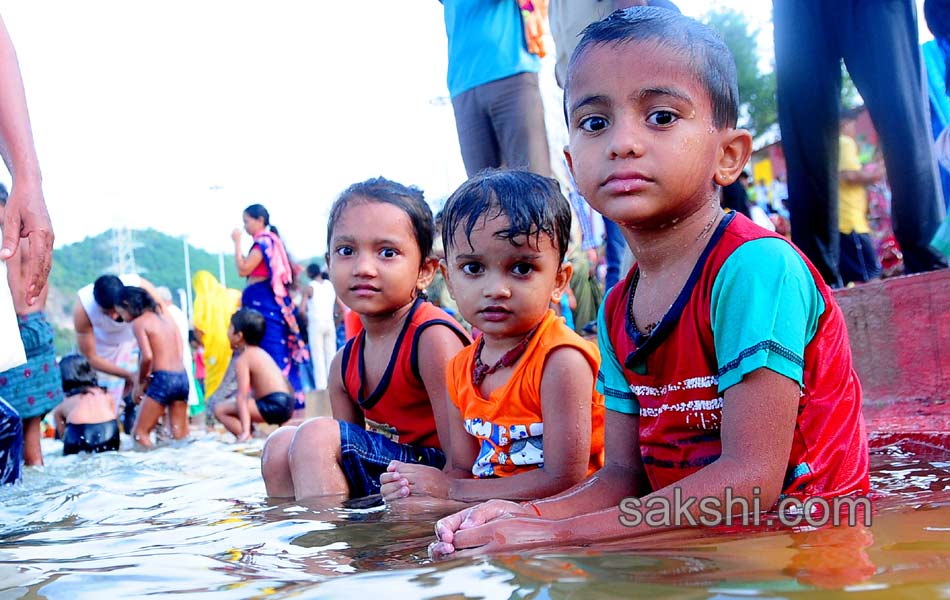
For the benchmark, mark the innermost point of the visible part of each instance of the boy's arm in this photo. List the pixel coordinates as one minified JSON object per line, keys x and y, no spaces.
{"x":758,"y":421}
{"x":341,"y":406}
{"x":242,"y":372}
{"x":566,"y":386}
{"x":437,"y":345}
{"x":622,"y":476}
{"x":59,"y":418}
{"x":464,"y":446}
{"x":145,"y":350}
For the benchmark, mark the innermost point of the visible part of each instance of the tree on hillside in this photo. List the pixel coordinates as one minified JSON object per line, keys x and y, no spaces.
{"x":756,"y":89}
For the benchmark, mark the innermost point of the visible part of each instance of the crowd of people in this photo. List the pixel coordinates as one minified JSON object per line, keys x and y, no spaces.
{"x":481,"y":363}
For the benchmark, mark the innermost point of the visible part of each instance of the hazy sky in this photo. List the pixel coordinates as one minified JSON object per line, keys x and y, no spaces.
{"x":177,"y":114}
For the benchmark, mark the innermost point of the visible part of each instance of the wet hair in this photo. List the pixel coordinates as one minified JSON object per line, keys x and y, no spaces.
{"x":250,"y":324}
{"x":136,"y":301}
{"x":257,"y":211}
{"x":106,"y":291}
{"x":408,"y":199}
{"x":702,"y":47}
{"x":533,"y":204}
{"x":78,"y":375}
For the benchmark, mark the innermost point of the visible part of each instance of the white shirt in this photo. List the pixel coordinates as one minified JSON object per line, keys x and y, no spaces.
{"x":110,"y":336}
{"x":320,"y":305}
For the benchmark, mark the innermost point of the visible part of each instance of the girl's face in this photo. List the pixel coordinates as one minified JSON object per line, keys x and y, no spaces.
{"x":375,"y":258}
{"x":252,"y":226}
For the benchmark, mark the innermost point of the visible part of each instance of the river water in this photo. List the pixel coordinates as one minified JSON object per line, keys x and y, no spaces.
{"x":192,"y":520}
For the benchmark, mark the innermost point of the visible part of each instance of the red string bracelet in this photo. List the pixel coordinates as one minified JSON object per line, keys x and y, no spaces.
{"x":534,"y":507}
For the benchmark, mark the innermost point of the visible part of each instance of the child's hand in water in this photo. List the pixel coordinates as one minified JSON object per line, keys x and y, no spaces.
{"x":405,"y":479}
{"x":484,"y":522}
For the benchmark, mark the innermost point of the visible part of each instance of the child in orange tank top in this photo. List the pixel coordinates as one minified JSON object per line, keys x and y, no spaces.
{"x":505,"y":235}
{"x":387,"y":386}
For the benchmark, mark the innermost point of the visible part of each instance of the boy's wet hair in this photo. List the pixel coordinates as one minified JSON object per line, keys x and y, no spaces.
{"x":707,"y":54}
{"x":136,"y":301}
{"x":408,"y":199}
{"x":251,"y":324}
{"x":106,"y":291}
{"x":533,"y":204}
{"x":78,"y":375}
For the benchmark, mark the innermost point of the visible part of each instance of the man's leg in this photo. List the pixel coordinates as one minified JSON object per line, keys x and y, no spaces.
{"x":476,"y":137}
{"x":517,"y":116}
{"x":883,"y":57}
{"x":808,"y":73}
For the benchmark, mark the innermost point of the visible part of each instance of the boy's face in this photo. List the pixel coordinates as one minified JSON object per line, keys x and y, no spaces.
{"x":234,"y":338}
{"x":644,"y":148}
{"x":502,"y":289}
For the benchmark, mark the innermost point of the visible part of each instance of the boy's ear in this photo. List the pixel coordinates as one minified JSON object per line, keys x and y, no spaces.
{"x":570,"y":161}
{"x":427,"y":272}
{"x":734,"y":153}
{"x":561,"y":281}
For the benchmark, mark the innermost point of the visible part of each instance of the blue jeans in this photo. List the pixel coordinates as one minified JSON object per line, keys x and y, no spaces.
{"x":366,"y":455}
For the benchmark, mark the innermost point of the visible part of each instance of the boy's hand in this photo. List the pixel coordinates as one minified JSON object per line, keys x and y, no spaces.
{"x":493,"y":510}
{"x":504,"y":532}
{"x":404,"y":479}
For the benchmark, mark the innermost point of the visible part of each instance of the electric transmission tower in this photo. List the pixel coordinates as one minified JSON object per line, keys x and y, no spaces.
{"x":123,"y":251}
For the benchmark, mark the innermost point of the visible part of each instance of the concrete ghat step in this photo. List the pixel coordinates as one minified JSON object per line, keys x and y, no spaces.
{"x":900,"y":342}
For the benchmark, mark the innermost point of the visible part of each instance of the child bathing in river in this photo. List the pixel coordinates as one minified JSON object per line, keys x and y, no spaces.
{"x":525,"y":420}
{"x":725,"y":360}
{"x":163,"y":383}
{"x":86,"y":418}
{"x":387,"y":385}
{"x":263,"y":393}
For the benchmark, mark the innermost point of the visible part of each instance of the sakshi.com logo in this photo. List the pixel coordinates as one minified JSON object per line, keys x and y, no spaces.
{"x":730,"y":510}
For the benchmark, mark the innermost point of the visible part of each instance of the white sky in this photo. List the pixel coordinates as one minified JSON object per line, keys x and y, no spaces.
{"x":177,"y":114}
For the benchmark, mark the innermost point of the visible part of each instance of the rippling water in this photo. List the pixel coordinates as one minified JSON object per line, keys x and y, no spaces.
{"x":193,"y":521}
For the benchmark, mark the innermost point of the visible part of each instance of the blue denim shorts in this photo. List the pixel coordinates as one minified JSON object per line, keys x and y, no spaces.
{"x":366,"y":455}
{"x":166,"y":387}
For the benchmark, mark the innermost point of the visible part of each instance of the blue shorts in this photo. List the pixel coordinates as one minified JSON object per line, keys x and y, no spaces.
{"x":366,"y":455}
{"x":166,"y":387}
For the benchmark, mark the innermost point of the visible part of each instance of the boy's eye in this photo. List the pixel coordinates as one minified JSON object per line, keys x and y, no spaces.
{"x":388,"y":253}
{"x":473,"y":268}
{"x":662,"y":118}
{"x":593,"y":124}
{"x":522,"y":269}
{"x":344,"y":251}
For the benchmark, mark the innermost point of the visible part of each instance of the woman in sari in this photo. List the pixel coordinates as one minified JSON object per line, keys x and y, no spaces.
{"x":269,"y":277}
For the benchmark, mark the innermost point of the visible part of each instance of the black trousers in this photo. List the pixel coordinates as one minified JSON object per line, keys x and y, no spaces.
{"x":878,"y":41}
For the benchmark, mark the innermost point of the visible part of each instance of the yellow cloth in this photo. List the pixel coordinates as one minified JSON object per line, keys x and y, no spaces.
{"x":214,"y":305}
{"x":852,"y":197}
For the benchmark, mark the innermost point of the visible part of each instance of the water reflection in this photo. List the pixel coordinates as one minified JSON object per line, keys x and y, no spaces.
{"x":193,"y":520}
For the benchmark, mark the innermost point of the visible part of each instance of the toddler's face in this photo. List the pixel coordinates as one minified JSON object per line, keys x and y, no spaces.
{"x":501,"y":288}
{"x":643,"y":143}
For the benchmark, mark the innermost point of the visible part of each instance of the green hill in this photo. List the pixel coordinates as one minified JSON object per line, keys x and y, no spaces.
{"x":159,"y":258}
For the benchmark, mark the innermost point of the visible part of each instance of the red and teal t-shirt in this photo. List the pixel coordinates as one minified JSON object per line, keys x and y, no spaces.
{"x":752,"y":301}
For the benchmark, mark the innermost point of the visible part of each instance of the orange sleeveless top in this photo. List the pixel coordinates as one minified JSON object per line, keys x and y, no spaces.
{"x":509,"y":424}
